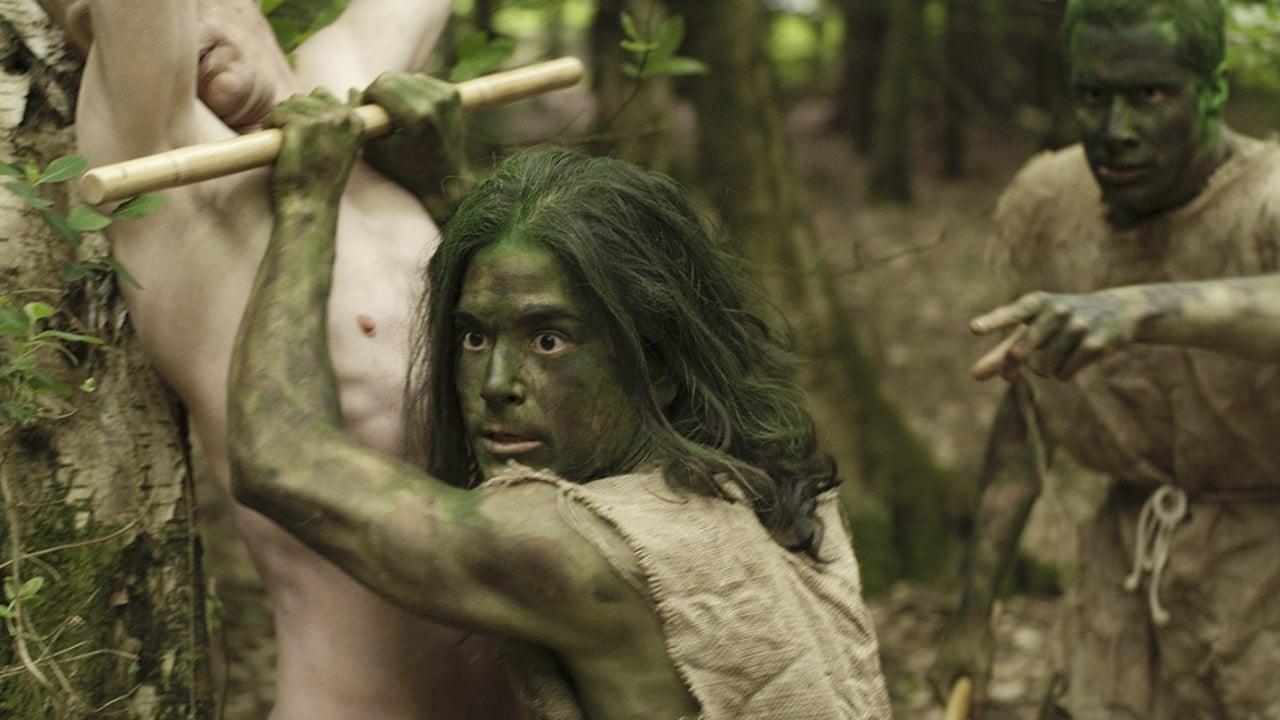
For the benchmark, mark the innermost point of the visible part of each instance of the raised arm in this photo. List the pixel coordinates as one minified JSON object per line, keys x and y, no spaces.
{"x":369,"y":38}
{"x":138,"y":92}
{"x":1009,"y":487}
{"x":499,"y":561}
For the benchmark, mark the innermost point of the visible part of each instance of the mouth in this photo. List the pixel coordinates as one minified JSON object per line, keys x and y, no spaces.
{"x":1122,"y":174}
{"x":506,"y":441}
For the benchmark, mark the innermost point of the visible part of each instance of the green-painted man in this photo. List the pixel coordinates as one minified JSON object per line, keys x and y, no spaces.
{"x":1151,"y":330}
{"x":619,"y":477}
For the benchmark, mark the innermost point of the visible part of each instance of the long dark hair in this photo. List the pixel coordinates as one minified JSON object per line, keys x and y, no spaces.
{"x":679,"y":311}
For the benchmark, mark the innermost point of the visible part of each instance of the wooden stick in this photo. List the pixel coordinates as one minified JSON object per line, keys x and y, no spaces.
{"x":216,"y":159}
{"x":958,"y":703}
{"x":991,"y":364}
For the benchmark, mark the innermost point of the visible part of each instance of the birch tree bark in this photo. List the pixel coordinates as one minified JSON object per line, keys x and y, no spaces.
{"x":98,"y":504}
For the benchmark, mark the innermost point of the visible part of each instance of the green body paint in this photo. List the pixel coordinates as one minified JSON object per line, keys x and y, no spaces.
{"x":535,"y":377}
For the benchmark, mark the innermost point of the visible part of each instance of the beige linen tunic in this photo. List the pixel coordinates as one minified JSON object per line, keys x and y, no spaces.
{"x":754,"y":631}
{"x":1152,"y":415}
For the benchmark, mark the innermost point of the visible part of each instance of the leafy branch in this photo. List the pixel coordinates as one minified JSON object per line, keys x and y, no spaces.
{"x":654,"y":54}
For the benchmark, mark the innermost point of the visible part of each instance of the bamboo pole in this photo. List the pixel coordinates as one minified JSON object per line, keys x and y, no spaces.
{"x":958,"y":703}
{"x":184,"y":166}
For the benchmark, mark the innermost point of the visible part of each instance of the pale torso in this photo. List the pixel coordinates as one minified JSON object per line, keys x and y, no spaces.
{"x":1154,"y":414}
{"x":343,"y":651}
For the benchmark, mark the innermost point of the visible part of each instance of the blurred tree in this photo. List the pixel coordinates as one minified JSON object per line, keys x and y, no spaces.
{"x":894,"y":489}
{"x":633,"y":114}
{"x":891,"y":160}
{"x":963,"y":69}
{"x":103,"y":602}
{"x":865,"y":22}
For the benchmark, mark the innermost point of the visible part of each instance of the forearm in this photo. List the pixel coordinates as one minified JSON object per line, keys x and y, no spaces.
{"x":282,"y":388}
{"x":1238,"y":316}
{"x":1009,"y":488}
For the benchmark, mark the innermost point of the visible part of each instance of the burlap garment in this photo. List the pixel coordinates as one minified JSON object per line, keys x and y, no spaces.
{"x":1151,"y":416}
{"x":755,"y":631}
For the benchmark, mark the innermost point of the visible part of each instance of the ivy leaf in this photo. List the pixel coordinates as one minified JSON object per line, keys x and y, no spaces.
{"x":138,"y":207}
{"x":64,"y":168}
{"x":86,"y":219}
{"x":59,"y":225}
{"x":28,"y":193}
{"x":10,"y":170}
{"x":477,"y":55}
{"x":37,"y":311}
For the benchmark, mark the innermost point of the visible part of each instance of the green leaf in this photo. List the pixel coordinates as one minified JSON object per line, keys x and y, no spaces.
{"x":667,"y":36}
{"x":631,"y":70}
{"x":89,"y":385}
{"x":71,"y":337}
{"x":64,"y":168}
{"x":10,"y":170}
{"x":268,"y":5}
{"x":629,"y":27}
{"x":114,"y":266}
{"x":28,"y":193}
{"x":37,"y":311}
{"x":476,"y":58}
{"x":138,"y":207}
{"x":58,"y":223}
{"x":13,"y":323}
{"x":5,"y":611}
{"x":19,"y":414}
{"x":676,"y":66}
{"x":10,"y":588}
{"x":638,"y":47}
{"x":75,"y":272}
{"x":30,"y":588}
{"x":86,"y":219}
{"x":43,"y":382}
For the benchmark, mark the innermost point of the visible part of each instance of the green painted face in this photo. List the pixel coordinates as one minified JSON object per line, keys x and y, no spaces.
{"x":1149,"y":131}
{"x":535,"y":377}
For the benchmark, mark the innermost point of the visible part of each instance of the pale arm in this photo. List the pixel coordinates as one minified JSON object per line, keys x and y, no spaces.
{"x":499,"y":561}
{"x":369,"y":38}
{"x":139,"y":87}
{"x":1236,"y":316}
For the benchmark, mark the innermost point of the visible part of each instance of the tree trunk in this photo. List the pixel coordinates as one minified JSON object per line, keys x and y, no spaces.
{"x":891,"y":157}
{"x":632,"y":116}
{"x":893,"y":487}
{"x":864,"y":23}
{"x":98,"y":504}
{"x":964,"y":65}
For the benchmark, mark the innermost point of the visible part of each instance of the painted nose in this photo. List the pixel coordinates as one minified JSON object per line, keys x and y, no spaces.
{"x":1120,"y":133}
{"x":502,"y":383}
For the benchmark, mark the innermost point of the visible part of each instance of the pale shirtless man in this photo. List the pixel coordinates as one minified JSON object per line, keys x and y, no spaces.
{"x":343,"y":652}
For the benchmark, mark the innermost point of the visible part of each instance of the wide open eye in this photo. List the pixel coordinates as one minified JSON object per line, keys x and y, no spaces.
{"x":549,"y":343}
{"x":474,"y":341}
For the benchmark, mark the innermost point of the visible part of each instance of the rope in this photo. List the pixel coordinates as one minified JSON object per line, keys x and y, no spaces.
{"x":1160,"y":516}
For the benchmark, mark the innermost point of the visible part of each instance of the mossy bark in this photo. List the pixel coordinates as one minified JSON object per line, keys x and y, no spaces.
{"x":892,"y":486}
{"x":99,"y":503}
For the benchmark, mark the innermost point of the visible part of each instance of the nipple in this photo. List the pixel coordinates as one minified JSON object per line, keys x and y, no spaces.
{"x":367,"y":325}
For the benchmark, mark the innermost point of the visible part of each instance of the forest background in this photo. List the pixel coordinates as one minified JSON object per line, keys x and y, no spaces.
{"x":853,"y":149}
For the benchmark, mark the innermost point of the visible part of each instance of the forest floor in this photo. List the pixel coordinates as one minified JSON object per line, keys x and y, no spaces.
{"x":914,"y":275}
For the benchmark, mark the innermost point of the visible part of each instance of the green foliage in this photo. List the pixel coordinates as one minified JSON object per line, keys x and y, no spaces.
{"x":81,"y":218}
{"x":798,"y":45}
{"x":479,"y":54}
{"x":1253,"y":49}
{"x":654,"y":54}
{"x":29,"y":391}
{"x":293,"y":21}
{"x":28,"y":594}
